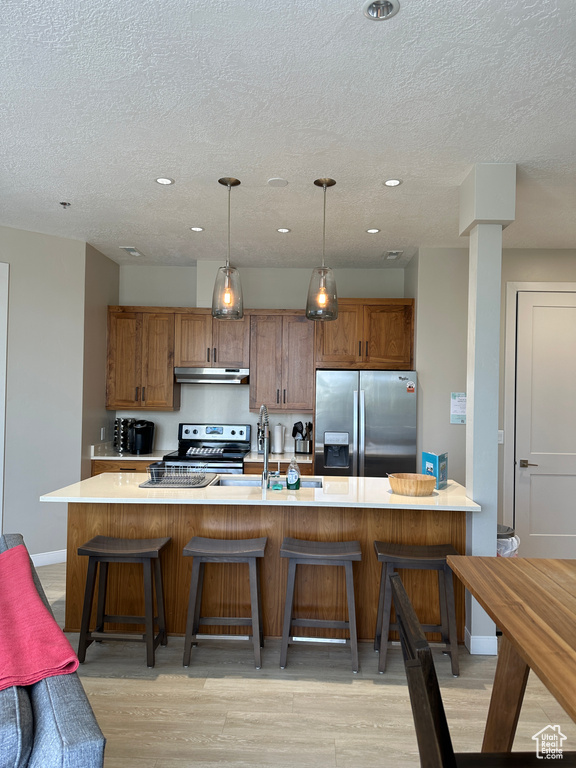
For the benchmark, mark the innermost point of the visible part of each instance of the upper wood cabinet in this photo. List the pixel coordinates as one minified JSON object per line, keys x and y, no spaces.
{"x":204,"y":342}
{"x":140,"y":365}
{"x":282,"y":362}
{"x":368,"y":334}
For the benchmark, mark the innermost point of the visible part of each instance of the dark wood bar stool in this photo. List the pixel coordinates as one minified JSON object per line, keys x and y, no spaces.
{"x":204,"y":551}
{"x":103,"y":550}
{"x":300,"y":552}
{"x":418,"y":557}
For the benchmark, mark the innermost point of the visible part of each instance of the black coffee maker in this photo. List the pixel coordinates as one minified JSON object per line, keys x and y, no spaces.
{"x":141,"y":437}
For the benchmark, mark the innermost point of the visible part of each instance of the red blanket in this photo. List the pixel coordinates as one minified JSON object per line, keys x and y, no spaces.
{"x":32,"y":645}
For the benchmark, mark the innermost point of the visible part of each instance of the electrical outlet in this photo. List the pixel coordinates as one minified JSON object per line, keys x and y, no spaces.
{"x":102,"y":433}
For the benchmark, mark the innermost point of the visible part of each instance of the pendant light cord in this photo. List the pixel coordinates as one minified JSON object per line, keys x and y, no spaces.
{"x":324,"y":228}
{"x":228,"y":256}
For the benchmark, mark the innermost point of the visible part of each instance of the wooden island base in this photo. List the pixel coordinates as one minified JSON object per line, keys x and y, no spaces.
{"x":226,"y":586}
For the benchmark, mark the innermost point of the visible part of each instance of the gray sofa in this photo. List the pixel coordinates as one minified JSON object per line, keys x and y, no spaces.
{"x":49,"y":724}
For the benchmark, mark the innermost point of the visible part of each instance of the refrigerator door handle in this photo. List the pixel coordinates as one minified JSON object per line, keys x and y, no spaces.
{"x":362,"y":433}
{"x":355,"y":437}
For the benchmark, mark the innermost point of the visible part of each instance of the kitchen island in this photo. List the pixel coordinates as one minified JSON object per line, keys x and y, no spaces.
{"x":343,"y":508}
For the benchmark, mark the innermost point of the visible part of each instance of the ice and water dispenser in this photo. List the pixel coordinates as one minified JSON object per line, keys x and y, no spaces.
{"x":336,"y":450}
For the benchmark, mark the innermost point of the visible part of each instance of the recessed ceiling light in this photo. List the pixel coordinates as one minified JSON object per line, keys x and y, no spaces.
{"x":197,"y":229}
{"x":277,"y":182}
{"x":165,"y":180}
{"x":381,"y":10}
{"x":283,"y":230}
{"x":394,"y":254}
{"x":372,"y":231}
{"x":392,"y":182}
{"x":130,"y":250}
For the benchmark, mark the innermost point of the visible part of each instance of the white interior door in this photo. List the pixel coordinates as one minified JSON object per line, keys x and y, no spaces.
{"x":545,"y":450}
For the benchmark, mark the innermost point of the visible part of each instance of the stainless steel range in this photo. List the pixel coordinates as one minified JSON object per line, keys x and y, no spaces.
{"x":218,"y":448}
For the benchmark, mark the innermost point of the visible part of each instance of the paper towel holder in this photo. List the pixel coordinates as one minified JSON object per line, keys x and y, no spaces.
{"x":278,"y":439}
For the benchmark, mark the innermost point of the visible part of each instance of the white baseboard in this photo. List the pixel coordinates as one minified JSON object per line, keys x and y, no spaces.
{"x":480,"y":645}
{"x":49,"y":558}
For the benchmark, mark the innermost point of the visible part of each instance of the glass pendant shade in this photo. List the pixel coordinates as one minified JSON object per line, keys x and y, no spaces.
{"x":322,"y":302}
{"x":227,"y":302}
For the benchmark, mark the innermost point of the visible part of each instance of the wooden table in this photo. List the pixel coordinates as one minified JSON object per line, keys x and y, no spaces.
{"x":533,"y":602}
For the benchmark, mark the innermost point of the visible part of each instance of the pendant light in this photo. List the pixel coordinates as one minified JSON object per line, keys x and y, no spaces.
{"x":227,"y":302}
{"x":322,"y":303}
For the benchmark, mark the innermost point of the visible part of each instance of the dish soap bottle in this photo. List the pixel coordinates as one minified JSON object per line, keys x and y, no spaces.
{"x":293,"y":476}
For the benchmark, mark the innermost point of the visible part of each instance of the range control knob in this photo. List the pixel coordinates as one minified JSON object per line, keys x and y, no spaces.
{"x":186,"y":431}
{"x":233,"y":432}
{"x":194,"y":431}
{"x":241,"y":432}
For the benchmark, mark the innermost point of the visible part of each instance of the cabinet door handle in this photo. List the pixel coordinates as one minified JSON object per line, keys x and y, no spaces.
{"x":359,"y":349}
{"x":277,"y":395}
{"x":143,"y":394}
{"x":136,"y":398}
{"x":207,"y":354}
{"x":284,"y":396}
{"x":214,"y":355}
{"x":366,"y":348}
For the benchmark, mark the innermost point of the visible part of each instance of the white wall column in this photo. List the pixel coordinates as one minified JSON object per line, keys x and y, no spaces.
{"x":487,"y":204}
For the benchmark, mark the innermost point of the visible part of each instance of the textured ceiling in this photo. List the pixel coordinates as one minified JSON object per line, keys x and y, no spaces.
{"x":102,"y":97}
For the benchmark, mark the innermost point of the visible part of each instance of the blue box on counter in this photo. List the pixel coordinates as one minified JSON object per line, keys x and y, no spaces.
{"x":436,"y":464}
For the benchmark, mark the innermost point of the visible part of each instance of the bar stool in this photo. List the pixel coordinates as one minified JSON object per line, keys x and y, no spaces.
{"x":301,"y":552}
{"x":103,"y":550}
{"x":204,"y":551}
{"x":418,"y":557}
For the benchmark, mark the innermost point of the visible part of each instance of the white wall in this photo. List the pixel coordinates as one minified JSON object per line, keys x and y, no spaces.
{"x":158,"y":286}
{"x":441,"y":285}
{"x":44,"y":381}
{"x":266,"y":288}
{"x":524,"y":265}
{"x":101,"y":288}
{"x":4,"y":284}
{"x":438,"y":280}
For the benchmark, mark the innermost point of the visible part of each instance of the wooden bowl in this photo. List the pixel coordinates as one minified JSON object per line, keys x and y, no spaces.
{"x":410,"y":484}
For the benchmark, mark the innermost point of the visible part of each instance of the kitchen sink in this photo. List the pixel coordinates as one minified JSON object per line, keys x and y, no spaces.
{"x":242,"y":481}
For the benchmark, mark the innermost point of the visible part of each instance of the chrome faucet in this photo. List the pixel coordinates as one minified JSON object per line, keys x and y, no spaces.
{"x":264,"y":424}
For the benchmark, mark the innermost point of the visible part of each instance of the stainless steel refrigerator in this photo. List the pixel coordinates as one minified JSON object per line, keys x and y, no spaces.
{"x":365,"y":423}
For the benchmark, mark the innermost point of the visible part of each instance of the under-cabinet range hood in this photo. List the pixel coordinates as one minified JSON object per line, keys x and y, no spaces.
{"x":211,"y":375}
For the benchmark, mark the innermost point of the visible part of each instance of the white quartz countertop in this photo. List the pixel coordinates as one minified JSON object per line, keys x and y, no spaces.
{"x":123,"y":488}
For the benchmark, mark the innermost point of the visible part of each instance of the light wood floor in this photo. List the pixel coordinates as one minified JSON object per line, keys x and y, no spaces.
{"x":314,"y":714}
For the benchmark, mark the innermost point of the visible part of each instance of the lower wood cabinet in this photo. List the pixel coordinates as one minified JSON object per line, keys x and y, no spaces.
{"x":100,"y":466}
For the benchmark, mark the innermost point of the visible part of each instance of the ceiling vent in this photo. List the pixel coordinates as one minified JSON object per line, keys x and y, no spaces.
{"x":130,"y":250}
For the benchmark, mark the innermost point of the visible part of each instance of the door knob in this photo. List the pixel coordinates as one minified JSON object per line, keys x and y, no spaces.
{"x":525,"y":463}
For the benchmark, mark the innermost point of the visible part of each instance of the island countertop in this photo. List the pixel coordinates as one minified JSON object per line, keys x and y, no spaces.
{"x":359,"y":492}
{"x":343,"y":509}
